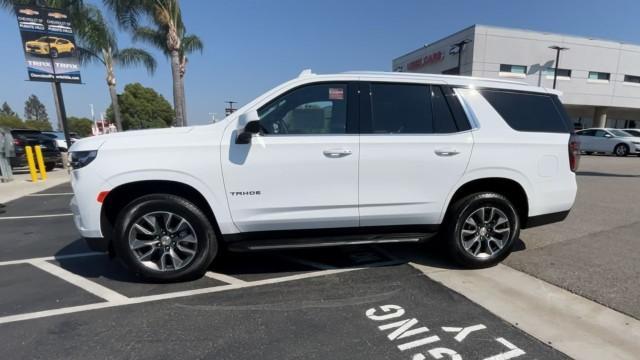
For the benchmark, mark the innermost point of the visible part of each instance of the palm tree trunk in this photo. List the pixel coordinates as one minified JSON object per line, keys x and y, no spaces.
{"x":115,"y":106}
{"x":178,"y":92}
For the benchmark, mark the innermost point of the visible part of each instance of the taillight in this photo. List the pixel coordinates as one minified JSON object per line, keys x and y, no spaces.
{"x":18,"y":142}
{"x":574,"y":153}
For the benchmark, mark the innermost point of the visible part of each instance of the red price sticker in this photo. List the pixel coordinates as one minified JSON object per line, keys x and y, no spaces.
{"x":336,"y":94}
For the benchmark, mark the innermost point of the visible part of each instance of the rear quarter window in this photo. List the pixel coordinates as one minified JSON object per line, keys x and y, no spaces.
{"x":529,"y":112}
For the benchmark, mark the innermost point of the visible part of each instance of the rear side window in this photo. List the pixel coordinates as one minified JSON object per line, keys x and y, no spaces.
{"x":400,"y":109}
{"x":396,"y":108}
{"x":528,"y":111}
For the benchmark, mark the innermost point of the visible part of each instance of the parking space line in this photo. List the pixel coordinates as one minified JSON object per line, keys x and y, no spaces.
{"x":52,"y":194}
{"x":51,"y":258}
{"x":178,"y":294}
{"x":224,"y":278}
{"x":33,"y":216}
{"x":79,"y":281}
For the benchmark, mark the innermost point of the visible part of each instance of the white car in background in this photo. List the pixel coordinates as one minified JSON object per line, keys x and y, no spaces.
{"x":608,"y":141}
{"x":58,"y":136}
{"x":632,"y":132}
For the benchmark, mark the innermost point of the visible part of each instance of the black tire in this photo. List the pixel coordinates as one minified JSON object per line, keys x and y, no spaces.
{"x":588,"y":152}
{"x":54,"y":53}
{"x":207,"y":245}
{"x":49,"y":166}
{"x":621,"y":150}
{"x":460,"y":212}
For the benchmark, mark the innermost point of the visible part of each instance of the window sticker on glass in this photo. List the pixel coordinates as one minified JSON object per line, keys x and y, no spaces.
{"x":336,"y":94}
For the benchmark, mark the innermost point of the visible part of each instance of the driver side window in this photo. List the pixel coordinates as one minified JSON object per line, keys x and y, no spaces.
{"x":311,"y":109}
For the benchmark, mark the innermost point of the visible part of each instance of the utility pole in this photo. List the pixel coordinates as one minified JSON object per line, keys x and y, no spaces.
{"x":457,"y":48}
{"x":229,"y":110}
{"x":557,"y":64}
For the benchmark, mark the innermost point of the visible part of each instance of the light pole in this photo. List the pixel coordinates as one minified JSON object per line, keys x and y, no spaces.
{"x":555,"y":70}
{"x":457,"y":48}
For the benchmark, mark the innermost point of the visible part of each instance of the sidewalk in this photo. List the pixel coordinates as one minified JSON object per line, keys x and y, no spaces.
{"x":22,"y":185}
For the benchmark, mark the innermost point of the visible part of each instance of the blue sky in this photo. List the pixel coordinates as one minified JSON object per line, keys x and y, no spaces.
{"x":253,"y":45}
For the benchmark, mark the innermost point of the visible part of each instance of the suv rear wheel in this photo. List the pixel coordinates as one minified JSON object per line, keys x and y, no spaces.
{"x":165,"y":238}
{"x":482,"y":229}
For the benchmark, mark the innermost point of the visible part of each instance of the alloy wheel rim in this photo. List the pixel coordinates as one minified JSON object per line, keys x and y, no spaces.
{"x":163,"y":241}
{"x":485,"y":232}
{"x":621,"y":150}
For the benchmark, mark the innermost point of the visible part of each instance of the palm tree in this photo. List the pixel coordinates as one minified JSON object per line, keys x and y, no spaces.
{"x":97,"y":43}
{"x":189,"y":44}
{"x":166,"y":16}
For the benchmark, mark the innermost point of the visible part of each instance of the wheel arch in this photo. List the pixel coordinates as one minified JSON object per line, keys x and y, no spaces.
{"x":123,"y":194}
{"x":509,"y":188}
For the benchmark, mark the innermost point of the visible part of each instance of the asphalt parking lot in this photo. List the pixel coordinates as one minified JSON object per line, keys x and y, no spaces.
{"x":60,"y":301}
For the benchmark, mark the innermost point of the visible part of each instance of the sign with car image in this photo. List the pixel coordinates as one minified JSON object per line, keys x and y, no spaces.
{"x":49,"y":45}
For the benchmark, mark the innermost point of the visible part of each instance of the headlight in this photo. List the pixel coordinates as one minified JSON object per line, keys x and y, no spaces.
{"x":80,"y":159}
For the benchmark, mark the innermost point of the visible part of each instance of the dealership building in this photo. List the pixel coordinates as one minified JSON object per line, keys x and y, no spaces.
{"x":599,"y":79}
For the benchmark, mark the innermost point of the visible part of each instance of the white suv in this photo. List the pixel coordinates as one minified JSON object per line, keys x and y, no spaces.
{"x":328,"y":160}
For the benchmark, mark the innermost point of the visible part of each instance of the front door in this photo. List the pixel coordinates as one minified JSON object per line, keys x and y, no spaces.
{"x":302,"y":171}
{"x":414,"y":146}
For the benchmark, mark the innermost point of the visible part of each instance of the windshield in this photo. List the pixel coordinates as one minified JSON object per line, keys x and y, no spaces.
{"x":43,"y":39}
{"x":619,"y":133}
{"x":633,"y":132}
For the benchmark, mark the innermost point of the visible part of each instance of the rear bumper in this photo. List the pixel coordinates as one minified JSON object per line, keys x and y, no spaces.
{"x":540,"y":220}
{"x":20,"y":160}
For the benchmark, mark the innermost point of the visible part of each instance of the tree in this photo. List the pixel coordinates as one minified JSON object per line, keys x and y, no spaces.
{"x":143,"y":108}
{"x":189,"y":44}
{"x":166,"y":17}
{"x":80,"y":126}
{"x":41,"y":125}
{"x":7,"y":110}
{"x":11,"y":121}
{"x":34,"y":109}
{"x":97,"y":42}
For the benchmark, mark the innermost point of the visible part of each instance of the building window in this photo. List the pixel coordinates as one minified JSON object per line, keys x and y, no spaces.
{"x":562,"y":73}
{"x":632,"y":79}
{"x":594,"y":75}
{"x":515,"y":69}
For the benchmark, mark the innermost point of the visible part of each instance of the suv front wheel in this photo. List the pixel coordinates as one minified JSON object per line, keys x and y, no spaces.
{"x":481,"y":229}
{"x":165,"y":237}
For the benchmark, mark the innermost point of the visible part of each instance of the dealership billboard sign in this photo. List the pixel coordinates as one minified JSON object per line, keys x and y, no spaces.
{"x":48,"y":44}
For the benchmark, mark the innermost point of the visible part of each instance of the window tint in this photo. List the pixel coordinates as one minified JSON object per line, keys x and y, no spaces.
{"x":527,"y":111}
{"x":400,"y":109}
{"x":561,"y":72}
{"x":516,"y":69}
{"x":632,"y":79}
{"x":594,"y":75}
{"x":587,"y":132}
{"x":443,"y":121}
{"x":312,"y":109}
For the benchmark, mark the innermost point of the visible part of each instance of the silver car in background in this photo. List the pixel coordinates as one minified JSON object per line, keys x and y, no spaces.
{"x":608,"y":141}
{"x":632,"y":132}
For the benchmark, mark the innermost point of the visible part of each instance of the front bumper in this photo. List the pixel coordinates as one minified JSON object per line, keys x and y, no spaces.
{"x":83,"y":227}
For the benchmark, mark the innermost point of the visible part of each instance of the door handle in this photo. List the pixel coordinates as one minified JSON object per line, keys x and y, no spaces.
{"x":336,"y":153}
{"x":447,"y":152}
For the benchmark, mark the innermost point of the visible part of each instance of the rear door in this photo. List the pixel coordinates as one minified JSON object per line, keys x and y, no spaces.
{"x":415,"y":144}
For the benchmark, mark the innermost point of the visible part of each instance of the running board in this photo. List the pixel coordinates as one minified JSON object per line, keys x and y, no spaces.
{"x":302,"y":243}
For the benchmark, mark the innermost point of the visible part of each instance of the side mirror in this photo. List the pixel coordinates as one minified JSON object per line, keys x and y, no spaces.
{"x":608,"y":135}
{"x":252,"y":128}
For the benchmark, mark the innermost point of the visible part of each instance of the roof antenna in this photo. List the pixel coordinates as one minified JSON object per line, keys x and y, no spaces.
{"x":305,"y":73}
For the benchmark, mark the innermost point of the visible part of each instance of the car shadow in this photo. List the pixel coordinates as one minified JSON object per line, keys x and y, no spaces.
{"x":594,"y":173}
{"x":259,"y":265}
